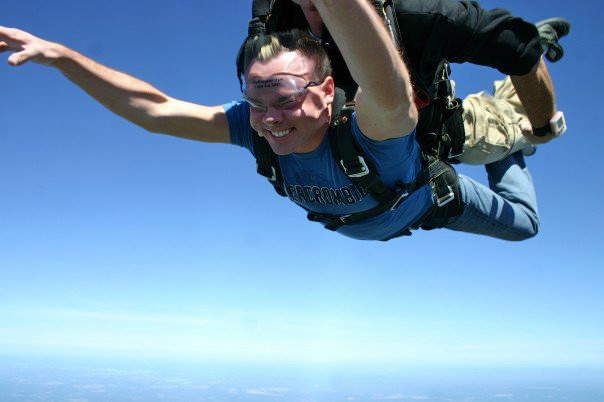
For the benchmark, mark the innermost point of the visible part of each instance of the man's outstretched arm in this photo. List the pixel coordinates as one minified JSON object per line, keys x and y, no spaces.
{"x":385,"y":107}
{"x":536,"y":92}
{"x":126,"y":96}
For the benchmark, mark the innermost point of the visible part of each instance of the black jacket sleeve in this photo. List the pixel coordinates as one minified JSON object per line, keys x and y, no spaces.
{"x":461,"y":31}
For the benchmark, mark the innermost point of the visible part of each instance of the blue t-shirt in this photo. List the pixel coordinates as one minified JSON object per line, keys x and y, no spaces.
{"x":314,"y":180}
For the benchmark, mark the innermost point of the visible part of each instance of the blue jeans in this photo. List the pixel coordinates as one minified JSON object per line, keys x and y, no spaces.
{"x":507,"y":209}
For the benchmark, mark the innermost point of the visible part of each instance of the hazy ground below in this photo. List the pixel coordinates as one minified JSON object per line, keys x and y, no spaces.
{"x":80,"y":380}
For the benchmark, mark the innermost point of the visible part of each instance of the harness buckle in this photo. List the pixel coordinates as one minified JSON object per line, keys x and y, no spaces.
{"x":363,"y":169}
{"x":271,"y":175}
{"x":398,"y":200}
{"x":444,"y":200}
{"x":343,"y":218}
{"x":453,"y":154}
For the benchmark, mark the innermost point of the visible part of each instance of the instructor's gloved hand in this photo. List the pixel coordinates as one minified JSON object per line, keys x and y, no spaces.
{"x":550,"y":32}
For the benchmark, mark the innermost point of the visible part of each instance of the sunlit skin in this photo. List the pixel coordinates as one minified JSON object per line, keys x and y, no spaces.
{"x":307,"y":123}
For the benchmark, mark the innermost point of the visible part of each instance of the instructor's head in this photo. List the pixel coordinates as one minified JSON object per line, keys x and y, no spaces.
{"x":289,"y":89}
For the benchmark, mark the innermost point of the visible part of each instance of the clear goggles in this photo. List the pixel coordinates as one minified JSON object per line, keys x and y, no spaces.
{"x":281,"y":92}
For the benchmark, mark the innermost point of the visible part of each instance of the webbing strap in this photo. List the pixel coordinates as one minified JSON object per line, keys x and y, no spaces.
{"x":352,"y":159}
{"x":438,"y":173}
{"x":453,"y":123}
{"x":442,"y":192}
{"x":333,"y":222}
{"x":267,"y":163}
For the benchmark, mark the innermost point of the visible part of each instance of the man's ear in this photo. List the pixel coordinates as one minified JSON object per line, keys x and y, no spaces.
{"x":329,"y":89}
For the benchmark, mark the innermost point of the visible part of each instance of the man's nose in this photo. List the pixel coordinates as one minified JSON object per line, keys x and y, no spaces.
{"x":272,"y":116}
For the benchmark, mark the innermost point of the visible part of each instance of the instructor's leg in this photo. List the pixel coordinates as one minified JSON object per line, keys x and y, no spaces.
{"x":507,"y":209}
{"x":494,"y":125}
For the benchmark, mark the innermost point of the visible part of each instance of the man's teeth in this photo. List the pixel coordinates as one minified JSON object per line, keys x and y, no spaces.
{"x":281,"y":133}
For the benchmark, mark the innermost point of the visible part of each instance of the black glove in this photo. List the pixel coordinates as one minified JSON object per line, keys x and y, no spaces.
{"x":550,"y":32}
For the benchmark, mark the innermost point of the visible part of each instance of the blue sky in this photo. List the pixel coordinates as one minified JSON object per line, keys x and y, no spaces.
{"x":117,"y":242}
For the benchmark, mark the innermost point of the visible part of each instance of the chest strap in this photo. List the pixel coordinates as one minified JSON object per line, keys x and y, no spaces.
{"x":437,"y":174}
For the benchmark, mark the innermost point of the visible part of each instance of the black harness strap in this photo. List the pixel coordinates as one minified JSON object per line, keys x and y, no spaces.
{"x":267,"y":163}
{"x":442,"y":179}
{"x":438,"y":216}
{"x":360,"y":170}
{"x":353,"y":161}
{"x":454,"y":130}
{"x":443,"y":136}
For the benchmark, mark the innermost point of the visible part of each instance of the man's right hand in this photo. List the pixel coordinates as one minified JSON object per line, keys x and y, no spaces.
{"x":26,"y":47}
{"x":126,"y":96}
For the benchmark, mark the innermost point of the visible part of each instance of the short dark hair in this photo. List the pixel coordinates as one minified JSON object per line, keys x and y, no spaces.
{"x":268,"y":46}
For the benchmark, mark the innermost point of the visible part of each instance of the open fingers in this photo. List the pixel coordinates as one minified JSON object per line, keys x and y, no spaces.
{"x":24,"y":46}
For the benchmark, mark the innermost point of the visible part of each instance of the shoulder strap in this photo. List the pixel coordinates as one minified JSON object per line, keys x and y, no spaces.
{"x":385,"y":10}
{"x":267,"y":163}
{"x":353,"y":160}
{"x":338,"y":105}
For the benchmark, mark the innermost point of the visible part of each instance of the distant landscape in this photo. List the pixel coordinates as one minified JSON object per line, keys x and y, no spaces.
{"x":156,"y":381}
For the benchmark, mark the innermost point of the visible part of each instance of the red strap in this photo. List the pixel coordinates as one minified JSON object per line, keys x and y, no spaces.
{"x":421,"y":98}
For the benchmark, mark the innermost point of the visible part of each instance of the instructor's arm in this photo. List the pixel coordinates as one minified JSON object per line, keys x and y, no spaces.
{"x":126,"y":96}
{"x":385,"y":107}
{"x":536,"y":92}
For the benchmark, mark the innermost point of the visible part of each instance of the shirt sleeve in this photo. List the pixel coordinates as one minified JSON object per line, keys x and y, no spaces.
{"x":393,"y":150}
{"x":240,"y":130}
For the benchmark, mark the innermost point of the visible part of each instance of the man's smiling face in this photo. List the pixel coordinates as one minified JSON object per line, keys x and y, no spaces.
{"x":291,"y":118}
